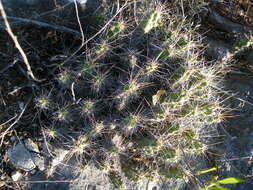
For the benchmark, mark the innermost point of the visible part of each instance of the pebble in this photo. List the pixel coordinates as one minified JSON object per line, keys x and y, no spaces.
{"x":16,"y":175}
{"x":25,"y":156}
{"x":21,"y":158}
{"x":35,"y":154}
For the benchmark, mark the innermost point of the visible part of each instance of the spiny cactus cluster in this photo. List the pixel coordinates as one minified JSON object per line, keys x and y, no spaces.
{"x":139,"y":102}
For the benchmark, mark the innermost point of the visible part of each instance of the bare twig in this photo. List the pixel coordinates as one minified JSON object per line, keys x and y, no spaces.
{"x":73,"y":92}
{"x":14,"y":38}
{"x":9,"y":128}
{"x":78,"y":20}
{"x":41,"y":24}
{"x":8,"y":121}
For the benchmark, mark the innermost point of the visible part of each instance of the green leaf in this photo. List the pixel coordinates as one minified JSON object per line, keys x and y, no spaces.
{"x":230,"y":180}
{"x":212,"y":188}
{"x":208,"y":170}
{"x":218,"y":187}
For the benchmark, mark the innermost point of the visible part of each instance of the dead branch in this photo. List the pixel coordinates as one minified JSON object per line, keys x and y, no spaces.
{"x":14,"y":38}
{"x":25,"y":21}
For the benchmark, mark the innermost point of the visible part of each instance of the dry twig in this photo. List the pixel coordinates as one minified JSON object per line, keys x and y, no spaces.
{"x":14,"y":38}
{"x":15,"y":122}
{"x":22,"y":21}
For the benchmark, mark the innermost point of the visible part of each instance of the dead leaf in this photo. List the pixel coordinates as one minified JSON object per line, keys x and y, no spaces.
{"x":157,"y":97}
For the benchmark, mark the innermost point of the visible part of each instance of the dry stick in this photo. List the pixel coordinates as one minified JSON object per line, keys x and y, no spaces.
{"x":78,"y":20}
{"x":81,"y":30}
{"x":20,"y":115}
{"x":73,"y":92}
{"x":14,"y":38}
{"x":42,"y":24}
{"x":8,"y":121}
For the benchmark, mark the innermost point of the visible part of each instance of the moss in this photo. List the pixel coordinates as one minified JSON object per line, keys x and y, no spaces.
{"x":81,"y":143}
{"x":99,"y":19}
{"x":242,"y":42}
{"x":62,"y":114}
{"x":88,"y":107}
{"x":114,"y":150}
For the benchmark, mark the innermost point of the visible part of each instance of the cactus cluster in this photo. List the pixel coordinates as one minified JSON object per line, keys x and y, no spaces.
{"x":138,"y":103}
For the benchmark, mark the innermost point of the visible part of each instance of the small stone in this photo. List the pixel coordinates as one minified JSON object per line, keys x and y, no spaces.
{"x":21,"y":105}
{"x":13,"y":139}
{"x":21,"y":158}
{"x":35,"y":154}
{"x":16,"y":175}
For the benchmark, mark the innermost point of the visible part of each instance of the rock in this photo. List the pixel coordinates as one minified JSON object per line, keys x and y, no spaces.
{"x":16,"y":175}
{"x":89,"y":179}
{"x":25,"y":156}
{"x":60,"y":156}
{"x":35,"y":154}
{"x":226,"y":25}
{"x":237,"y":149}
{"x":21,"y":158}
{"x":216,"y":49}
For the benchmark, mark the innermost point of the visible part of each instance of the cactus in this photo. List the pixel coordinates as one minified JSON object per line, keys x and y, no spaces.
{"x":43,"y":102}
{"x":87,"y":68}
{"x":64,"y":78}
{"x":116,"y":29}
{"x":62,"y":114}
{"x":116,"y":180}
{"x":136,"y":100}
{"x":152,"y":21}
{"x":80,"y":145}
{"x":101,"y":49}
